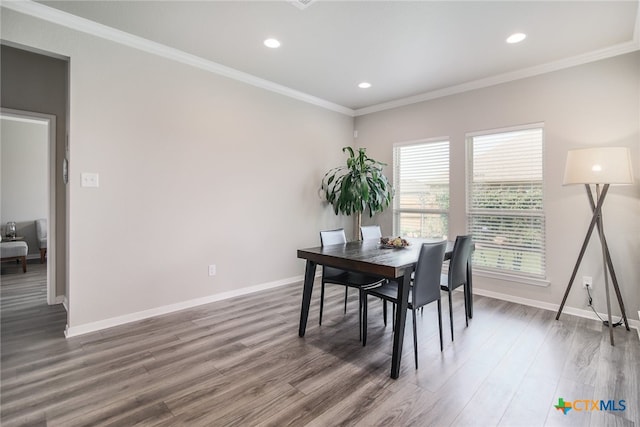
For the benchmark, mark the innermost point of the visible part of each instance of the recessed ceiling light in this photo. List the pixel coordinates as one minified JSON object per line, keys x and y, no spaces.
{"x":516,"y":38}
{"x":272,"y":43}
{"x":364,"y":85}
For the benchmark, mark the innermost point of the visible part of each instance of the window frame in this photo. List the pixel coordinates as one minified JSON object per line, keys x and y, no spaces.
{"x":509,"y":274}
{"x":396,"y":210}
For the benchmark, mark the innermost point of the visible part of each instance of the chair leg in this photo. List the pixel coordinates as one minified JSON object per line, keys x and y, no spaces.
{"x":24,"y":264}
{"x":440,"y":322}
{"x":321,"y":302}
{"x":361,"y":297}
{"x":43,"y":251}
{"x":393,"y":317}
{"x":384,"y":311}
{"x":451,"y":314}
{"x":363,"y":328}
{"x":415,"y":338}
{"x":466,"y":313}
{"x":346,"y":295}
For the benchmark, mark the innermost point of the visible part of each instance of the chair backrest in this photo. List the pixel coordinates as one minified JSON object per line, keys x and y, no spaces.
{"x":332,"y":237}
{"x":370,"y":232}
{"x":426,"y":281}
{"x":458,"y":262}
{"x":41,"y":228}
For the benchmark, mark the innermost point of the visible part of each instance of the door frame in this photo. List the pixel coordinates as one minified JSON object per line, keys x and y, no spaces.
{"x":50,"y":120}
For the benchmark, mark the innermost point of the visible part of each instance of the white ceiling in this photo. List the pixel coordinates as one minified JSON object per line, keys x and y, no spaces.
{"x":407,"y":50}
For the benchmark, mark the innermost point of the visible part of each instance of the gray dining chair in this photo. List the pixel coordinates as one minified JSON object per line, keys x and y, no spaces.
{"x":368,"y":232}
{"x":425,"y":290}
{"x":457,"y":275}
{"x":345,"y":278}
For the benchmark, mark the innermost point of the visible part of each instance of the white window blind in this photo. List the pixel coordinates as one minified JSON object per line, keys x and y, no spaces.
{"x":505,"y":201}
{"x":421,"y":181}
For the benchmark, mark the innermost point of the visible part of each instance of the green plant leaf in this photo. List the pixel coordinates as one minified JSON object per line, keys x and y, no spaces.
{"x":358,"y":186}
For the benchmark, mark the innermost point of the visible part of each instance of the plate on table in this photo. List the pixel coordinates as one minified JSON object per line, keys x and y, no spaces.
{"x":393,"y":243}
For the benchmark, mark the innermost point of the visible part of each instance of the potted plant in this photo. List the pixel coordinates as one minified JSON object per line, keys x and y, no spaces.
{"x":358,"y":186}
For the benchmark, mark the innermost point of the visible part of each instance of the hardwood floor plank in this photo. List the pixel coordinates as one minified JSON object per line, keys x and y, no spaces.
{"x":241,"y":362}
{"x":521,"y":342}
{"x":529,"y":406}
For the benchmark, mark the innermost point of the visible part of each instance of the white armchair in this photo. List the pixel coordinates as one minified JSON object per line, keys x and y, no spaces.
{"x":41,"y":234}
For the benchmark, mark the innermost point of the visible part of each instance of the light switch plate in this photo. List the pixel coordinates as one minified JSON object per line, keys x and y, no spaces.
{"x":89,"y":179}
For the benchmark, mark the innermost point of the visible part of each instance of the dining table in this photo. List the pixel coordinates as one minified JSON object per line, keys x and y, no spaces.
{"x":372,"y":258}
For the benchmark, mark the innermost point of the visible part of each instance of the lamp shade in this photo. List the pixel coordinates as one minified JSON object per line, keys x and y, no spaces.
{"x":605,"y":165}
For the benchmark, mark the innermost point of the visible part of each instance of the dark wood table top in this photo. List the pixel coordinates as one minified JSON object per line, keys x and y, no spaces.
{"x":369,"y":257}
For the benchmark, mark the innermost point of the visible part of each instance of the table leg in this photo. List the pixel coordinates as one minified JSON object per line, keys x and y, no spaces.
{"x":469,"y":290}
{"x":309,"y":277}
{"x":401,"y":316}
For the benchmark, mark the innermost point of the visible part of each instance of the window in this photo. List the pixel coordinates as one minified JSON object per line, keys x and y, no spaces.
{"x":505,"y":201}
{"x":421,"y":181}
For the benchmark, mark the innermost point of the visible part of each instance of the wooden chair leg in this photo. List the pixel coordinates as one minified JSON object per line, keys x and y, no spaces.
{"x":24,"y":264}
{"x":43,"y":252}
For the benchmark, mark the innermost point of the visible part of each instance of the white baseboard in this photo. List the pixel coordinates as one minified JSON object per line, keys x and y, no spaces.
{"x":158,"y":311}
{"x":587,"y":314}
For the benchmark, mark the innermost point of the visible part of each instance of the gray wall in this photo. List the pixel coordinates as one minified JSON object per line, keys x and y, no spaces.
{"x":194,"y":169}
{"x":24,"y":182}
{"x":590,"y":105}
{"x":39,"y":83}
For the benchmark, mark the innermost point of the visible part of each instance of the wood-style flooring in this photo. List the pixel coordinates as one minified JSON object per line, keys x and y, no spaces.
{"x":241,"y":362}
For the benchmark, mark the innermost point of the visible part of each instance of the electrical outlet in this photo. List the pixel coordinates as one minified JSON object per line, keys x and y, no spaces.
{"x":212,"y":270}
{"x":89,"y":179}
{"x":587,"y":282}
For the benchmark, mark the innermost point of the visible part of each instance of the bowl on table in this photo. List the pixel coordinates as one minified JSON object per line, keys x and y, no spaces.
{"x":393,"y":242}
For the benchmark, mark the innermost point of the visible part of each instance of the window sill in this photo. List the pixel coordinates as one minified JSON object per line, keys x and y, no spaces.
{"x":511,"y":277}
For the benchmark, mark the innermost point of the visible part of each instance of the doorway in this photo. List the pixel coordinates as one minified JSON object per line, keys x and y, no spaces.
{"x":28,"y":192}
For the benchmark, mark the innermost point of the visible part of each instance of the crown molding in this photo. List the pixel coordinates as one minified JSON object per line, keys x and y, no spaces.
{"x":40,"y":11}
{"x":597,"y":55}
{"x":37,"y":10}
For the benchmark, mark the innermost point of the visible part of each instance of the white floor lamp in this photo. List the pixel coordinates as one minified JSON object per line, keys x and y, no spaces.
{"x":601,"y":167}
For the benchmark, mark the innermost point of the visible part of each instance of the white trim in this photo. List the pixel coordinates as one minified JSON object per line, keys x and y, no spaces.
{"x":511,"y":277}
{"x":422,"y":141}
{"x":37,"y":10}
{"x":597,"y":55}
{"x":158,"y":311}
{"x":528,"y":126}
{"x":40,"y":11}
{"x":636,"y":32}
{"x":50,"y":121}
{"x":133,"y":317}
{"x":586,"y":314}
